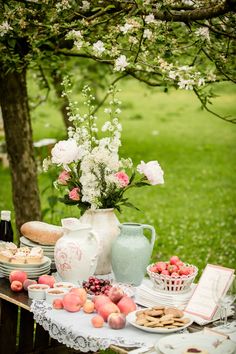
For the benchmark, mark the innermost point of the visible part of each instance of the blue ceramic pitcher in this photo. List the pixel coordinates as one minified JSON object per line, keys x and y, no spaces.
{"x":131,"y":253}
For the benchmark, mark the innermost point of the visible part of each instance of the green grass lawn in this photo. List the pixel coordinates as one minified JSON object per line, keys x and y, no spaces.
{"x":194,"y":212}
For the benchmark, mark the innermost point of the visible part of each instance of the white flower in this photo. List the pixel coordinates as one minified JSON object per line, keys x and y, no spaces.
{"x":4,"y":28}
{"x":107,"y":110}
{"x":152,"y":170}
{"x":78,"y":44}
{"x":74,"y":35}
{"x":118,"y":111}
{"x":150,"y":19}
{"x":172,"y":75}
{"x":85,"y":5}
{"x":203,"y":32}
{"x":46,"y":164}
{"x":121,"y":63}
{"x":147,"y":34}
{"x":98,"y":47}
{"x":65,"y":152}
{"x":126,"y":28}
{"x":201,"y":81}
{"x":185,"y":84}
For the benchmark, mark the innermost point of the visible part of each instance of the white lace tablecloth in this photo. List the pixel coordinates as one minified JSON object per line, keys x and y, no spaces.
{"x":76,"y":331}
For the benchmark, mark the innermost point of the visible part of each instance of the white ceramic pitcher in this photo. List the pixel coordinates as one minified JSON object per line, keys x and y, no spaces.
{"x":76,"y":252}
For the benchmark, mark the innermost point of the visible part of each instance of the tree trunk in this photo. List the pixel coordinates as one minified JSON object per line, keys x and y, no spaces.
{"x":18,"y":134}
{"x":63,"y":101}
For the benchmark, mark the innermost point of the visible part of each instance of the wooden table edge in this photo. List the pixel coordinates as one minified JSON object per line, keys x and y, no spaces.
{"x":15,"y":302}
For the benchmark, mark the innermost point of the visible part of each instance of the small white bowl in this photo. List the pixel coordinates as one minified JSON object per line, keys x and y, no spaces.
{"x":37,"y":291}
{"x":54,"y":293}
{"x":64,"y":285}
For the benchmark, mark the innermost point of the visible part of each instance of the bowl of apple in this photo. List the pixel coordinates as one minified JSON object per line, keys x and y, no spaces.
{"x":172,"y":276}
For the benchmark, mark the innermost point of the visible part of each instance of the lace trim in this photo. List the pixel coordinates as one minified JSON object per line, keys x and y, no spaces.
{"x":74,"y":340}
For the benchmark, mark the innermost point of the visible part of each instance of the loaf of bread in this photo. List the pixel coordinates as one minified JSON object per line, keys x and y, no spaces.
{"x":41,"y":232}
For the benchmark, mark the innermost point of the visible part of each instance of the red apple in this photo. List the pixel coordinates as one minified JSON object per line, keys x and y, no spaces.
{"x":116,"y":320}
{"x":115,"y":294}
{"x":126,"y":305}
{"x":165,"y":272}
{"x":16,"y":286}
{"x":28,"y":282}
{"x":19,"y":275}
{"x":72,"y":302}
{"x":106,"y":309}
{"x":46,"y":279}
{"x":174,"y":259}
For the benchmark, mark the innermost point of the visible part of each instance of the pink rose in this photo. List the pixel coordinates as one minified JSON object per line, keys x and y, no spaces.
{"x":63,"y":177}
{"x":74,"y":194}
{"x":152,"y":170}
{"x":122,"y":178}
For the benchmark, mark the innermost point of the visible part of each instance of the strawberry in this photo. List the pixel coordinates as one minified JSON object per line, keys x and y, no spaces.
{"x":160,"y":266}
{"x":172,"y":268}
{"x":174,"y":275}
{"x":174,"y":259}
{"x":179,"y":264}
{"x":184,"y":270}
{"x":153,"y":269}
{"x":165,"y":272}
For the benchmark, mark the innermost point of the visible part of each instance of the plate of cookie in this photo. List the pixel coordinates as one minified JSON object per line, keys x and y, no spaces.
{"x":159,"y":319}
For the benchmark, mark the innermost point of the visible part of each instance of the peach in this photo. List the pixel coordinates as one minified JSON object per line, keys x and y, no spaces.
{"x":57,"y":304}
{"x":115,"y":294}
{"x":16,"y":286}
{"x":100,"y":300}
{"x":28,"y":282}
{"x":18,"y":275}
{"x":97,"y":321}
{"x":46,"y":279}
{"x":81,"y":292}
{"x":88,"y":307}
{"x":116,"y":320}
{"x":72,"y":302}
{"x":126,"y":305}
{"x":106,"y":309}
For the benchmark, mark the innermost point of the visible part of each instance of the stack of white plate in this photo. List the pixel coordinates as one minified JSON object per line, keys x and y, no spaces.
{"x":147,"y":296}
{"x":33,"y":270}
{"x":48,"y":250}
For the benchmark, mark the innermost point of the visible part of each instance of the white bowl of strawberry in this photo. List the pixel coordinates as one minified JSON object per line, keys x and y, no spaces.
{"x":174,"y":275}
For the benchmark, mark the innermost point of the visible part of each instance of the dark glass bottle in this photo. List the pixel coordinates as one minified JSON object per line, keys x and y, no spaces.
{"x":6,"y":232}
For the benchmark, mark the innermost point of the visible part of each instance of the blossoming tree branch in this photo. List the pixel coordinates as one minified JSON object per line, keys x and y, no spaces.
{"x":186,"y":44}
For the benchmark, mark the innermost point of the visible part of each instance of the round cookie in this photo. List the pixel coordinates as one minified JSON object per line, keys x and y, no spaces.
{"x":173,"y":311}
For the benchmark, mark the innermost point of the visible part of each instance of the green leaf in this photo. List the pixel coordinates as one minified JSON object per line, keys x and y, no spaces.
{"x":141,"y":184}
{"x":66,"y":200}
{"x":52,"y":200}
{"x":130,"y":205}
{"x":132,"y":177}
{"x":44,"y":212}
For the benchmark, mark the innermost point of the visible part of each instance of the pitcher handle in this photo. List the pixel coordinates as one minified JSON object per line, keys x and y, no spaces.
{"x":151,"y":228}
{"x":95,"y":236}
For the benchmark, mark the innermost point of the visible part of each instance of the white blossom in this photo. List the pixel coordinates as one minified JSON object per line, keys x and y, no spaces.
{"x":46,"y":163}
{"x":127,"y":27}
{"x":85,"y":5}
{"x":150,"y":19}
{"x":201,"y":81}
{"x":147,"y":33}
{"x":121,"y":63}
{"x":107,"y":110}
{"x":4,"y":28}
{"x":98,"y":47}
{"x":185,"y":84}
{"x":203,"y":32}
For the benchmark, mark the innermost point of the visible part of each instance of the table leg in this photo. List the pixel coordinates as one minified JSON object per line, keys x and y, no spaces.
{"x":26,"y":334}
{"x":8,"y":327}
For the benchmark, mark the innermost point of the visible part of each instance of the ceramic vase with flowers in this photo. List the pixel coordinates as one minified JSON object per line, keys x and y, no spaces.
{"x":93,"y":176}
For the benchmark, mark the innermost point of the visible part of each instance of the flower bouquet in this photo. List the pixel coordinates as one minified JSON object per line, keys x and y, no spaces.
{"x":92,"y":173}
